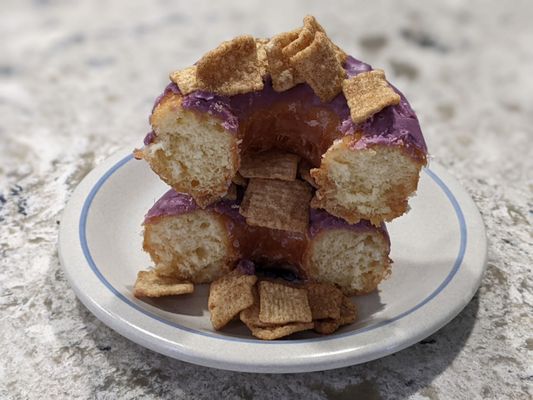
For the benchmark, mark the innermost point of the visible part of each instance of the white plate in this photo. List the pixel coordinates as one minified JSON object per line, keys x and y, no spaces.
{"x":439,"y":252}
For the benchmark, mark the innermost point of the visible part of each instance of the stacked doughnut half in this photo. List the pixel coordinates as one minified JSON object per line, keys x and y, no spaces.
{"x":282,"y":151}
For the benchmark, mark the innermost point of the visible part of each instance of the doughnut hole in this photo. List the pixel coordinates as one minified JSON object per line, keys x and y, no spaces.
{"x":355,"y":261}
{"x":193,"y":246}
{"x":291,"y":126}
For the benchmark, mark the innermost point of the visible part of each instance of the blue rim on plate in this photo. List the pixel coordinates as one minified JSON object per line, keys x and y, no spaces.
{"x":85,"y":248}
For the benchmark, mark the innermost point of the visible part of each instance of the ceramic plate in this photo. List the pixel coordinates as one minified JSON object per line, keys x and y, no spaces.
{"x":439,"y":252}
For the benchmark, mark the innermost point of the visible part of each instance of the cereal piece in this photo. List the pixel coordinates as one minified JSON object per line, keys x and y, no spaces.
{"x":270,"y":165}
{"x":348,"y":314}
{"x":320,"y":68}
{"x":304,"y":172}
{"x":185,"y":79}
{"x":368,"y":93}
{"x":262,"y":56}
{"x":149,"y":284}
{"x":239,"y":180}
{"x":276,"y":332}
{"x":326,"y":326}
{"x":282,"y":73}
{"x":228,"y":296}
{"x":281,"y":304}
{"x":304,"y":39}
{"x":250,"y":317}
{"x":348,"y":311}
{"x":325,"y":300}
{"x":312,"y":24}
{"x":277,"y":204}
{"x":231,"y":193}
{"x":232,"y":68}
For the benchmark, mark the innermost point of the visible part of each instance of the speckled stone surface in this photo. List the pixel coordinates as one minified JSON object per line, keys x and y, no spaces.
{"x":77,"y":80}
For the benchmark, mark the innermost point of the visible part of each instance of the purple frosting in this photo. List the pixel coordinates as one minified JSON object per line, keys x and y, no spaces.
{"x":149,"y":138}
{"x":212,"y":104}
{"x":320,"y":220}
{"x":397,"y":125}
{"x":246,"y":267}
{"x":354,"y":67}
{"x":174,"y":203}
{"x":393,"y":126}
{"x":170,"y":88}
{"x":171,"y":203}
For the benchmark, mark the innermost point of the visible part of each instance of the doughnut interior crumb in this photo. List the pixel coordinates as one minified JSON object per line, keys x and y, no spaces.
{"x":373,"y":183}
{"x":354,"y":261}
{"x":193,"y":246}
{"x":191,"y":152}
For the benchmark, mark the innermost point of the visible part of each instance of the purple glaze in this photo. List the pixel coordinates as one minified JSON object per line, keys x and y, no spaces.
{"x":174,"y":203}
{"x":246,"y":267}
{"x":170,"y":88}
{"x":396,"y":125}
{"x":320,"y":219}
{"x":393,"y":126}
{"x":149,"y":138}
{"x":215,"y":105}
{"x":354,"y":67}
{"x":229,"y":208}
{"x":171,"y":203}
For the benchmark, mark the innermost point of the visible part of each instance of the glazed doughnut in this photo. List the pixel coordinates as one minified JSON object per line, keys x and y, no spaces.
{"x":365,"y":157}
{"x":200,"y":245}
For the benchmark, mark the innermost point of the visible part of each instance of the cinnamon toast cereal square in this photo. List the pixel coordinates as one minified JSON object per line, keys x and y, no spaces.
{"x":228,"y":296}
{"x":277,"y":204}
{"x":348,"y":311}
{"x":281,"y":304}
{"x":268,"y":331}
{"x":326,"y":326}
{"x":279,"y":331}
{"x":318,"y":65}
{"x":282,"y":73}
{"x":150,"y":284}
{"x":270,"y":165}
{"x":325,"y":300}
{"x":185,"y":79}
{"x":232,"y":68}
{"x":368,"y":93}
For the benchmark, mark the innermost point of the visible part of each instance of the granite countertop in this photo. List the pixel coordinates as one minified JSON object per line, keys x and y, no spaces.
{"x":77,"y":81}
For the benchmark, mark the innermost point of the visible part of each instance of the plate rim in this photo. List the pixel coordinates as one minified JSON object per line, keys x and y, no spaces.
{"x":85,"y":193}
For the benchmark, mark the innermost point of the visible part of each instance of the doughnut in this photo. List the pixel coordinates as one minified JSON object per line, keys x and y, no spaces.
{"x":199,"y":245}
{"x":297,"y":93}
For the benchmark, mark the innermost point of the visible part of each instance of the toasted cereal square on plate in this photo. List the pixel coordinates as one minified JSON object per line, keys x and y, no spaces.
{"x":228,"y":296}
{"x":150,"y":284}
{"x":281,"y":304}
{"x":325,"y":300}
